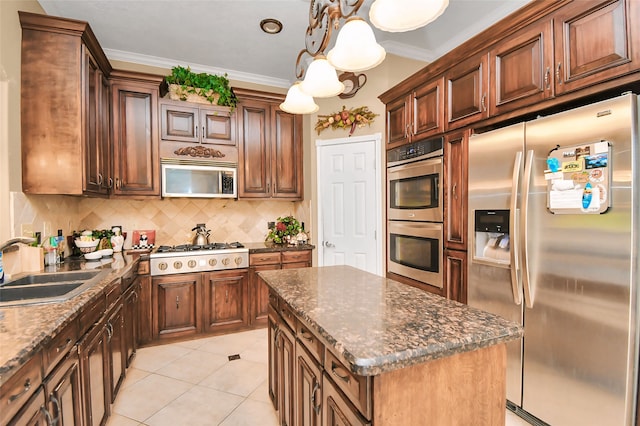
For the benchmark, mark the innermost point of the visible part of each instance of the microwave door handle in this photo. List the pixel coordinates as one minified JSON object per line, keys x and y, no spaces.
{"x":526,"y":282}
{"x":516,"y":286}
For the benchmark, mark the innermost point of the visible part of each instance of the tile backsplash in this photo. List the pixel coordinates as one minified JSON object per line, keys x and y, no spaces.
{"x":171,"y":218}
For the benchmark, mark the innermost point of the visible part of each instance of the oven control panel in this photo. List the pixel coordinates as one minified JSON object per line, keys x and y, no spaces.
{"x":182,"y":263}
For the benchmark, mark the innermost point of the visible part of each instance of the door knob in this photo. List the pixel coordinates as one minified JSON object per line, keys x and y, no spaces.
{"x":328,"y":244}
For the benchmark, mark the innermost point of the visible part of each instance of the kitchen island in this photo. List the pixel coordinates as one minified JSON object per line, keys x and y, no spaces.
{"x":350,"y":347}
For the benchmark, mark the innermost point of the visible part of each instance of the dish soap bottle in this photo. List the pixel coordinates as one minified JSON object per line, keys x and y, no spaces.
{"x":61,"y":246}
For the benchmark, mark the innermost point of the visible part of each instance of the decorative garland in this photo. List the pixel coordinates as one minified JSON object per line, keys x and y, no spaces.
{"x":352,"y":118}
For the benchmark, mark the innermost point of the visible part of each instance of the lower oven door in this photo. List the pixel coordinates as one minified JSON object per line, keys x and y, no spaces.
{"x":415,"y":251}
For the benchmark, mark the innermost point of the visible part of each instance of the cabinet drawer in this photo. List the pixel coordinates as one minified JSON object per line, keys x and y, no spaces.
{"x":273,"y":299}
{"x":19,"y":388}
{"x":287,"y":315}
{"x":356,"y":388}
{"x":296,"y":256}
{"x":113,"y":292}
{"x":91,"y":314}
{"x":310,"y":341}
{"x":264,"y":259}
{"x":143,"y":267}
{"x":60,"y":345}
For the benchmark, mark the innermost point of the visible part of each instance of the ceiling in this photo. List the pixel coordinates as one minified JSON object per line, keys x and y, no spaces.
{"x":219,"y":36}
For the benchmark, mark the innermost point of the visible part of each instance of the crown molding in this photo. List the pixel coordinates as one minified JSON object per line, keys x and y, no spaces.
{"x":407,"y":51}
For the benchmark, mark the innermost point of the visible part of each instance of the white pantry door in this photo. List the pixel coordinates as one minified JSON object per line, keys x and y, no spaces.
{"x":350,"y":202}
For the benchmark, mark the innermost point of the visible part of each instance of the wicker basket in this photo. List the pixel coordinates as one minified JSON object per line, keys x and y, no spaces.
{"x":177,"y":93}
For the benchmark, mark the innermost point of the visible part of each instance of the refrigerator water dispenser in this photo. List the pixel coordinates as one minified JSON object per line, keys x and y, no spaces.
{"x":492,"y":241}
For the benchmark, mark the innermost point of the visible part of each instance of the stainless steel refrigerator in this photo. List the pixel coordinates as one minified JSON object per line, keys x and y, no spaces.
{"x":553,"y":230}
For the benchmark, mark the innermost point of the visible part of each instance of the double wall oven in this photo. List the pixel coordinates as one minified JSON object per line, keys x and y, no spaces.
{"x":415,"y":211}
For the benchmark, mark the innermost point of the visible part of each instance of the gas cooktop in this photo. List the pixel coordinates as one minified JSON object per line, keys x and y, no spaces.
{"x":166,"y":260}
{"x":192,"y":247}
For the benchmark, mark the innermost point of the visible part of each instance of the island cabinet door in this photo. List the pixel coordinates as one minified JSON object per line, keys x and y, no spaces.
{"x":272,"y":321}
{"x":285,"y":355}
{"x":308,"y":391}
{"x":225,"y":296}
{"x":336,"y":410}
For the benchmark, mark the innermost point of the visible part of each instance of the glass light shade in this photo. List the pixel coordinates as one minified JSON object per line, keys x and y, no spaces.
{"x":298,"y":102}
{"x":356,"y":48}
{"x":321,"y":80}
{"x":405,"y":15}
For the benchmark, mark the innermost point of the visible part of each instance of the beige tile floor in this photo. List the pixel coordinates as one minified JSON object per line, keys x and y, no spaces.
{"x":194,"y":383}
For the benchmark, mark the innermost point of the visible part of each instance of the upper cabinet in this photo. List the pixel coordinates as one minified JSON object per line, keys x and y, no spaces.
{"x":136,"y":157}
{"x":65,"y":118}
{"x":467,"y":91}
{"x":417,"y":115}
{"x":195,"y":123}
{"x":269,"y":148}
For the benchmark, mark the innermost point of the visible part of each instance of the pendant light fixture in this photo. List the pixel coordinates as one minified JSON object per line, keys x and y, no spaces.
{"x":405,"y":15}
{"x":321,"y":80}
{"x":298,"y":102}
{"x":356,"y":48}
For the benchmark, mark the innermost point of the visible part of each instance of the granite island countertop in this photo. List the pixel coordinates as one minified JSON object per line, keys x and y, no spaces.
{"x":25,"y":328}
{"x":375,"y":324}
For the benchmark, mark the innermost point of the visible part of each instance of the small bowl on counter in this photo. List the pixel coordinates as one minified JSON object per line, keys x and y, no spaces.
{"x":99,"y":254}
{"x":86,"y":246}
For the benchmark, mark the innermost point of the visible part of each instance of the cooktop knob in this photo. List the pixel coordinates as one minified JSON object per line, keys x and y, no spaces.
{"x":213,"y":262}
{"x":225,"y":261}
{"x":162,"y":266}
{"x":192,"y":263}
{"x":238,"y":260}
{"x":177,"y":264}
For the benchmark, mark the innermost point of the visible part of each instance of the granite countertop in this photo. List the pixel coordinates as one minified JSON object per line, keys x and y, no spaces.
{"x":24,"y":329}
{"x":269,"y":247}
{"x":375,"y":324}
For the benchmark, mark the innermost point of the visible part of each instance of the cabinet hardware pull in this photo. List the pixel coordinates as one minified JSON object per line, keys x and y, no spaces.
{"x":26,"y":387}
{"x":453,"y":191}
{"x":64,"y":345}
{"x":546,"y":78}
{"x":483,"y":102}
{"x":196,"y":131}
{"x":406,"y":131}
{"x":56,"y":403}
{"x":177,"y":302}
{"x":203,"y":137}
{"x":316,"y":408}
{"x":50,"y":421}
{"x":226,"y":296}
{"x":99,"y":179}
{"x":334,"y":366}
{"x":558,"y":73}
{"x":110,"y":183}
{"x":305,"y":336}
{"x":109,"y":331}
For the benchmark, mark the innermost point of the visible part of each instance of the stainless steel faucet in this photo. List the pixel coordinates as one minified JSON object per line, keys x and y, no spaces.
{"x":23,"y":240}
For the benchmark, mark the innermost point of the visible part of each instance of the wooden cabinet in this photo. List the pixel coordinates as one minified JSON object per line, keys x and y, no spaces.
{"x":131,"y":321}
{"x":308,"y":389}
{"x":455,"y":189}
{"x":269,"y":148}
{"x":286,"y":360}
{"x":63,"y":114}
{"x":272,"y":332}
{"x":225,"y":294}
{"x":15,"y":393}
{"x":136,"y":158}
{"x":595,"y":41}
{"x":417,"y":115}
{"x":95,"y":373}
{"x":116,"y":349}
{"x":337,"y":411}
{"x":184,"y":122}
{"x":34,"y":412}
{"x":63,"y":392}
{"x":455,"y":267}
{"x":177,"y":305}
{"x":467,"y":86}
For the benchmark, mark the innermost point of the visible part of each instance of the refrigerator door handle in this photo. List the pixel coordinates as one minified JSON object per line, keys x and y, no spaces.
{"x":526,"y":283}
{"x":516,"y":287}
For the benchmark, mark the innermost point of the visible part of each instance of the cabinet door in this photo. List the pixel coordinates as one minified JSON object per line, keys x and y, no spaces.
{"x":95,"y":373}
{"x":116,"y":350}
{"x":217,"y":125}
{"x":104,"y":136}
{"x":145,"y":310}
{"x":259,"y":294}
{"x":179,"y":123}
{"x":225,"y":296}
{"x":467,"y":86}
{"x":521,"y":68}
{"x":455,"y":183}
{"x":64,"y":393}
{"x":427,"y":110}
{"x":595,"y":41}
{"x":308,"y":396}
{"x":455,"y":266}
{"x":177,"y":301}
{"x":398,"y":122}
{"x":131,"y":322}
{"x":336,"y":411}
{"x":286,"y":155}
{"x":34,"y":412}
{"x":135,"y":139}
{"x":272,"y":329}
{"x":285,"y":346}
{"x":254,"y":171}
{"x":92,"y":87}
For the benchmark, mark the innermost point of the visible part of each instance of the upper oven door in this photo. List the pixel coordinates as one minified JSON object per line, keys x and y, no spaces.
{"x":414,"y":191}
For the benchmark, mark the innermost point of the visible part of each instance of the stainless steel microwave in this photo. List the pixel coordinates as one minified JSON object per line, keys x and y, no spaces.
{"x":199,"y":179}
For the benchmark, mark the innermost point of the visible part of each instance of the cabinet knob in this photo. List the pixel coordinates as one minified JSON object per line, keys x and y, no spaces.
{"x":558,"y":78}
{"x":547,"y":75}
{"x":483,"y":102}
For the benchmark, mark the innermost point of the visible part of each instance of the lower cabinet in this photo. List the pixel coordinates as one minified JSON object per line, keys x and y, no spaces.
{"x":33,"y":413}
{"x":63,"y":392}
{"x":455,"y":266}
{"x":131,"y":307}
{"x":285,"y":366}
{"x":95,"y":374}
{"x":272,"y":331}
{"x":225,"y":294}
{"x":177,"y":305}
{"x":116,"y":350}
{"x":336,"y":410}
{"x":308,"y":389}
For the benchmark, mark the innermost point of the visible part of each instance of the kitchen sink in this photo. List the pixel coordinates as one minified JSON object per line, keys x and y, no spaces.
{"x":48,"y":287}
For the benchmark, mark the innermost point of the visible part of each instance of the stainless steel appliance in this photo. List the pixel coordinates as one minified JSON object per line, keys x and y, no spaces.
{"x":198,"y":178}
{"x":553,"y":225}
{"x":186,"y":258}
{"x":415,"y":250}
{"x":202,"y":235}
{"x":414,"y":181}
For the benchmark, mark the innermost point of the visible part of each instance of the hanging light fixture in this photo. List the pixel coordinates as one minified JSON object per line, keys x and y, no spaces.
{"x":405,"y":15}
{"x":321,"y":80}
{"x":298,"y":102}
{"x":356,"y":48}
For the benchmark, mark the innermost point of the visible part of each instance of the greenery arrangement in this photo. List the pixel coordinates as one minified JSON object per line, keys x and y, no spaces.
{"x":203,"y":84}
{"x":285,"y":226}
{"x":346,"y":119}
